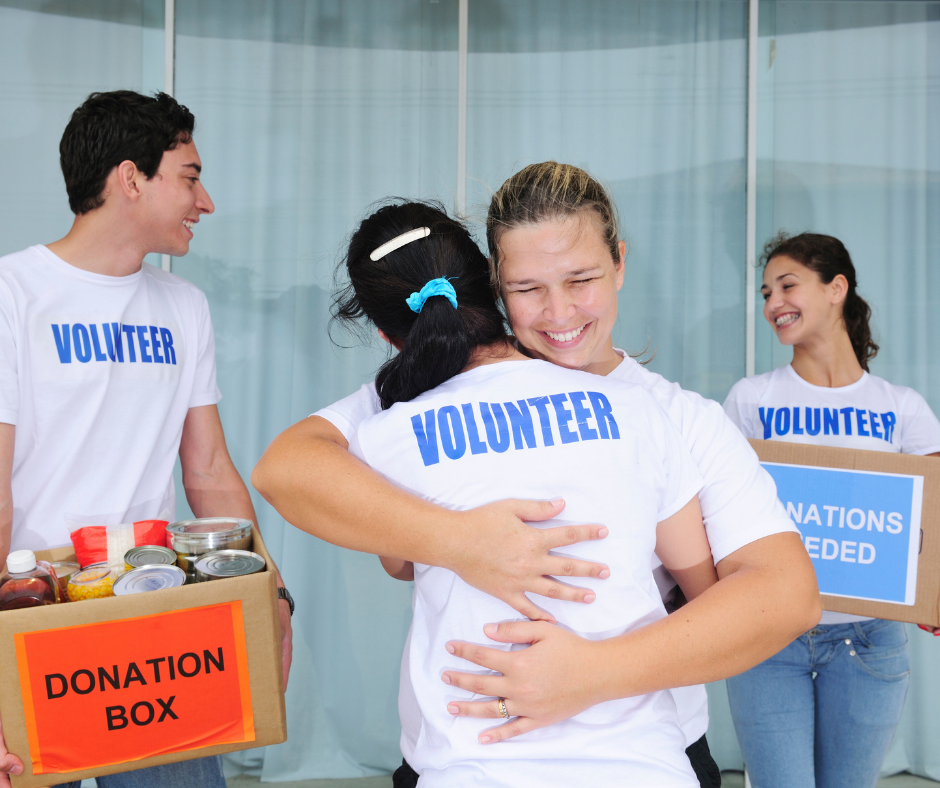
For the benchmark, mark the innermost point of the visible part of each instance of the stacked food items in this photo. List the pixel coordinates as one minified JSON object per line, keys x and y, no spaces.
{"x":131,"y":559}
{"x":193,"y":539}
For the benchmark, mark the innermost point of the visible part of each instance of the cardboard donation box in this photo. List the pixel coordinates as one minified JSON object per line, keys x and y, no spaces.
{"x":109,"y":685}
{"x":870,"y":522}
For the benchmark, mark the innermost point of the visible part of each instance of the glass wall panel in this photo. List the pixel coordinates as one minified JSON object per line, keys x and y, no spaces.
{"x":50,"y":60}
{"x":849,"y":116}
{"x":308,"y":112}
{"x":650,"y":97}
{"x":848,"y":122}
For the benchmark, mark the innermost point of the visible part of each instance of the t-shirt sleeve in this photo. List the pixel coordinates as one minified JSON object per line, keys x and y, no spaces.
{"x":683,"y":480}
{"x":740,"y":406}
{"x":739,"y":499}
{"x":348,"y":413}
{"x":921,"y":433}
{"x":355,"y":446}
{"x":9,"y":375}
{"x":205,"y":388}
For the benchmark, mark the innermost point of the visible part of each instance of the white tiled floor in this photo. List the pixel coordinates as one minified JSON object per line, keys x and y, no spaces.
{"x":736,"y":780}
{"x":728,"y":780}
{"x":361,"y":782}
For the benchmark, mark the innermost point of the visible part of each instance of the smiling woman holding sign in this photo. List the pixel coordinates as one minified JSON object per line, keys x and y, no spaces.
{"x":823,"y":711}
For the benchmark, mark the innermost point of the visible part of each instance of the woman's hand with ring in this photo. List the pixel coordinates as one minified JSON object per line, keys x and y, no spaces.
{"x":554,"y":679}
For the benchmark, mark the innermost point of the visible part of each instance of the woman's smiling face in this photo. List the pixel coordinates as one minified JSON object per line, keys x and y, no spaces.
{"x":798,"y":306}
{"x":560,"y":284}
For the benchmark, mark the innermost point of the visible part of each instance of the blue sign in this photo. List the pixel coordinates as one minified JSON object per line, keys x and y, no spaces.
{"x":860,"y":528}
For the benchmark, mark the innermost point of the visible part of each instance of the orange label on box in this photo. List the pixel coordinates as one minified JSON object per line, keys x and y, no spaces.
{"x":119,"y":691}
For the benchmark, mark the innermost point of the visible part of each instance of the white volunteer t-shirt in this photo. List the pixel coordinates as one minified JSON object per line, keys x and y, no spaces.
{"x":739,"y":498}
{"x":529,"y":429}
{"x":97,"y":374}
{"x":870,"y":414}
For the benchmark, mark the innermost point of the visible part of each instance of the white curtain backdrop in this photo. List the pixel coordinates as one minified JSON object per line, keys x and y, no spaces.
{"x":651,"y":98}
{"x":49,"y":63}
{"x":309,"y":110}
{"x":299,"y":133}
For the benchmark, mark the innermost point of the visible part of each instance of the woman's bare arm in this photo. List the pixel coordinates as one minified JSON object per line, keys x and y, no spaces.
{"x":765,"y":597}
{"x":309,"y":476}
{"x":398,"y":568}
{"x":682,"y":546}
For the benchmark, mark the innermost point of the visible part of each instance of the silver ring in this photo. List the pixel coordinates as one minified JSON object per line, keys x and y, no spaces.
{"x":502,"y":709}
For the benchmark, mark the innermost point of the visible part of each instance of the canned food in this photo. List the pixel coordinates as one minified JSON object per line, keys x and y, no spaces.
{"x":192,"y":539}
{"x":228,"y":563}
{"x":64,"y":571}
{"x":148,"y":555}
{"x":149,"y":578}
{"x":92,"y":583}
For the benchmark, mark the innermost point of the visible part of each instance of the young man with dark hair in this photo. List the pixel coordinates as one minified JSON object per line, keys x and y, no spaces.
{"x":113,"y":127}
{"x":107,"y":365}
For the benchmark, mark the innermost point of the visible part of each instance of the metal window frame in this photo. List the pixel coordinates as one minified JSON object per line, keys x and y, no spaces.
{"x":169,"y":77}
{"x":750,"y":261}
{"x":463,"y":27}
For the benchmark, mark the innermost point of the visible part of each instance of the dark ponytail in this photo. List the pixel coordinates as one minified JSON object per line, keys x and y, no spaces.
{"x":828,"y":257}
{"x":438,"y":341}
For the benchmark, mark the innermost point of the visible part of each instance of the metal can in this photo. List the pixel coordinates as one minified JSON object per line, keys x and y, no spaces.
{"x":63,"y":572}
{"x":192,"y":539}
{"x":148,"y":555}
{"x":154,"y":577}
{"x":228,"y":563}
{"x":92,"y":583}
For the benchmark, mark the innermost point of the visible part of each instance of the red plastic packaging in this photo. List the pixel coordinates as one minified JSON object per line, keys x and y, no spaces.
{"x":91,"y":541}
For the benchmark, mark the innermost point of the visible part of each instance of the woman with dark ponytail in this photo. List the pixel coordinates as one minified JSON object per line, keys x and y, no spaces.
{"x":466,"y":420}
{"x":435,"y":339}
{"x":557,"y":259}
{"x":823,"y":711}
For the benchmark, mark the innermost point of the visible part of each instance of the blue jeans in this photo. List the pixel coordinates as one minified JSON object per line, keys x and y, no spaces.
{"x":822,"y":712}
{"x":201,"y":772}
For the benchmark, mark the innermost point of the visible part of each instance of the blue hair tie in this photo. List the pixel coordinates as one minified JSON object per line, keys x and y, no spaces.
{"x":436,"y":287}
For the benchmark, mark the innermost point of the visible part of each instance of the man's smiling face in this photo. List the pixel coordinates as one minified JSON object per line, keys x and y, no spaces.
{"x":174,"y":199}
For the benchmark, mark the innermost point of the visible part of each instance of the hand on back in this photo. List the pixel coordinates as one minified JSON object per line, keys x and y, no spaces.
{"x":502,"y":556}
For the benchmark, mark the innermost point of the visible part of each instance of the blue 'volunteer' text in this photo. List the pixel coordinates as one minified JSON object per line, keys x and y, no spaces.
{"x":809,"y":421}
{"x":154,"y":344}
{"x":453,"y":429}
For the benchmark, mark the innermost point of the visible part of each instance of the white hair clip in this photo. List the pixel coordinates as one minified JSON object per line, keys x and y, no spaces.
{"x":400,"y":241}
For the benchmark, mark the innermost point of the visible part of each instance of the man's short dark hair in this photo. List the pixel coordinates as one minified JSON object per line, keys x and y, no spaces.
{"x":109,"y":128}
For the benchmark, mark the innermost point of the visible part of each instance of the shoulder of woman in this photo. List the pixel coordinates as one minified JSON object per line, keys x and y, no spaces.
{"x":907,"y":398}
{"x":749,"y":389}
{"x":910,"y":400}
